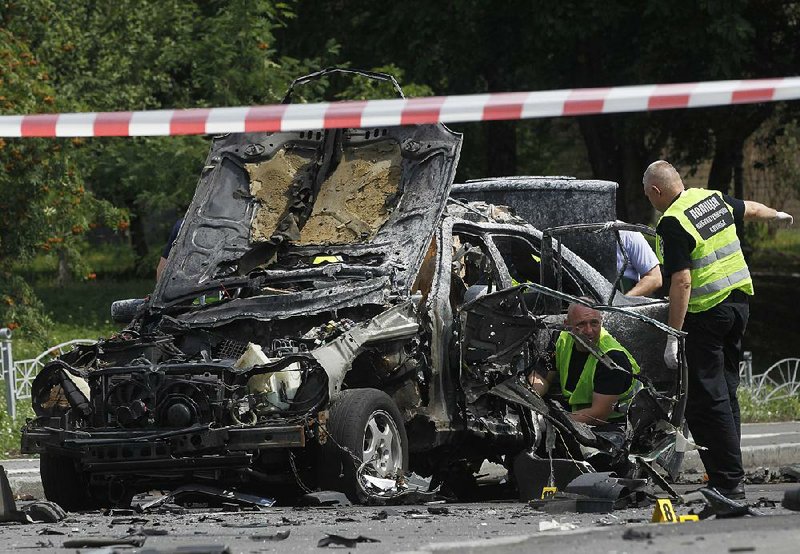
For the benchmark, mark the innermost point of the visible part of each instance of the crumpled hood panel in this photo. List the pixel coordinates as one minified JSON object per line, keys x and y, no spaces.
{"x":277,"y":201}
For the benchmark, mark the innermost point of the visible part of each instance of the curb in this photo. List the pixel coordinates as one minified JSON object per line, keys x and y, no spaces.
{"x":24,"y":485}
{"x":753,"y":457}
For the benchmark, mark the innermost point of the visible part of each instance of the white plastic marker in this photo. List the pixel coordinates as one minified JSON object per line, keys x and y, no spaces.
{"x":382,"y":113}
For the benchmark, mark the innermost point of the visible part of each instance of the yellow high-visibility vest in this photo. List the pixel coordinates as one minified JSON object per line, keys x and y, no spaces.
{"x":718,"y":265}
{"x":581,"y":396}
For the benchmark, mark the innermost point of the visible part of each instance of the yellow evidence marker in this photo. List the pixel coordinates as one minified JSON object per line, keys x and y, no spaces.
{"x":664,"y":512}
{"x":548,"y":492}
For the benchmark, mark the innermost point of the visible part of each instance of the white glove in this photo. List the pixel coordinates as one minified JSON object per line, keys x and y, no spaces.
{"x":671,"y":352}
{"x":783,"y":217}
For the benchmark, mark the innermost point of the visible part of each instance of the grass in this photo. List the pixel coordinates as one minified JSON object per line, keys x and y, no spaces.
{"x":109,"y":260}
{"x":779,"y":253}
{"x":752,"y":411}
{"x":10,"y":428}
{"x":82,"y":310}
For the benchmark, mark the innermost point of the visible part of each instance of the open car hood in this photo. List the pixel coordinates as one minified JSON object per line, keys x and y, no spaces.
{"x":276,"y":204}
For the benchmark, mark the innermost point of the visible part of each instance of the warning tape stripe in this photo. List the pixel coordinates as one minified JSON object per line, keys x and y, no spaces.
{"x":382,"y":113}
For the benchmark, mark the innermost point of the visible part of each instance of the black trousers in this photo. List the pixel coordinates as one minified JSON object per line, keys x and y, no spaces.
{"x":713,"y":351}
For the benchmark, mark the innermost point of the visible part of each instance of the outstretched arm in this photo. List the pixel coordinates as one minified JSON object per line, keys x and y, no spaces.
{"x":756,"y":211}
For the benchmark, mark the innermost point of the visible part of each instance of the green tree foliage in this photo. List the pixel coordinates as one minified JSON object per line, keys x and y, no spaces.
{"x":473,"y":46}
{"x":772,"y":168}
{"x":134,"y":55}
{"x":126,"y":55}
{"x":43,"y":201}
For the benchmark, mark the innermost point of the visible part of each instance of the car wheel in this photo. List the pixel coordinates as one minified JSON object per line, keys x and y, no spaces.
{"x":364,"y":425}
{"x":64,"y":484}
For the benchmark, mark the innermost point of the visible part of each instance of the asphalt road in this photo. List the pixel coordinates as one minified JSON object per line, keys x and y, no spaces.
{"x":495,"y":527}
{"x":487,"y":526}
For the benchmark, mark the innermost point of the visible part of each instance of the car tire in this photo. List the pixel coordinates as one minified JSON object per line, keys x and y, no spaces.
{"x":363,"y":422}
{"x":64,"y":484}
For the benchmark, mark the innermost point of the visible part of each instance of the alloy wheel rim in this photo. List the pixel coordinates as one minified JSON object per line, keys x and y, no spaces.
{"x":382,"y":449}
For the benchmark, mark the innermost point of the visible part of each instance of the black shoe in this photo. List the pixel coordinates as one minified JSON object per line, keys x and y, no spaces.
{"x":735,"y":493}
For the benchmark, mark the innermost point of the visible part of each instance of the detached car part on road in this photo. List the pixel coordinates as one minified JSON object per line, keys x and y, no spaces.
{"x":328,"y":319}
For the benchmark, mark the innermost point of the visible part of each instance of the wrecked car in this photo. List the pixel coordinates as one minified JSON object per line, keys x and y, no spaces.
{"x":327,"y":318}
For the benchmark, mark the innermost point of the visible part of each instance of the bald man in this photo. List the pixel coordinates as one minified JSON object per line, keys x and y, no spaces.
{"x":592,"y":388}
{"x":697,"y":243}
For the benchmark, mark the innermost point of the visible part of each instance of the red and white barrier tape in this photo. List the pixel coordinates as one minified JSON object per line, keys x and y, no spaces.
{"x":383,"y":113}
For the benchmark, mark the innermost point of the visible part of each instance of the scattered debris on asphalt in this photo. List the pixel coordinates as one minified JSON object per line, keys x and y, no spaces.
{"x":764,"y":502}
{"x":610,"y":519}
{"x":438,"y":510}
{"x":338,"y":540}
{"x":791,"y":500}
{"x":384,"y":514}
{"x":49,"y":531}
{"x":553,"y":525}
{"x":189,"y":495}
{"x":129,"y":521}
{"x":120,"y":512}
{"x":188,"y":549}
{"x":90,"y":542}
{"x":42,"y":511}
{"x":405,"y":489}
{"x":148,"y":531}
{"x":761,"y":475}
{"x":791,"y":473}
{"x":558,"y":503}
{"x":722,"y":507}
{"x":279,"y":536}
{"x":604,"y":491}
{"x":325,"y":498}
{"x":637,"y":535}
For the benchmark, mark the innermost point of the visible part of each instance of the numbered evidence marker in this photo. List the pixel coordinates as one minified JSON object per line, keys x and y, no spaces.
{"x":664,"y":512}
{"x":548,"y":492}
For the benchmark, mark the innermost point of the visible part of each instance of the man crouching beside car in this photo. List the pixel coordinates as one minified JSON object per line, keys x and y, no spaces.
{"x":592,"y":388}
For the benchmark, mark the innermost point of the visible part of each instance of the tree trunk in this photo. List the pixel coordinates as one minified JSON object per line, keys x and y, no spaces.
{"x":616,"y":153}
{"x":501,"y":148}
{"x":138,"y":240}
{"x":64,"y":275}
{"x":738,"y":174}
{"x":719,"y":178}
{"x":731,"y":133}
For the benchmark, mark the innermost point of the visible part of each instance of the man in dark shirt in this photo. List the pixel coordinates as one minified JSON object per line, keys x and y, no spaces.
{"x":591,"y":387}
{"x":698,"y":246}
{"x":173,"y":235}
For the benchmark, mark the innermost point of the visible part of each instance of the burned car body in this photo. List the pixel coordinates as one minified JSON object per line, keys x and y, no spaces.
{"x":314,"y":325}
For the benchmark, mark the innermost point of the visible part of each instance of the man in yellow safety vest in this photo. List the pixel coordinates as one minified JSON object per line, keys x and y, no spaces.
{"x":698,"y":246}
{"x":597,"y":394}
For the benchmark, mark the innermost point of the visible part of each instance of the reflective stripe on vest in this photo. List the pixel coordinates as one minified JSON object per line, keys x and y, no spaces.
{"x":582,"y":396}
{"x":718,"y":265}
